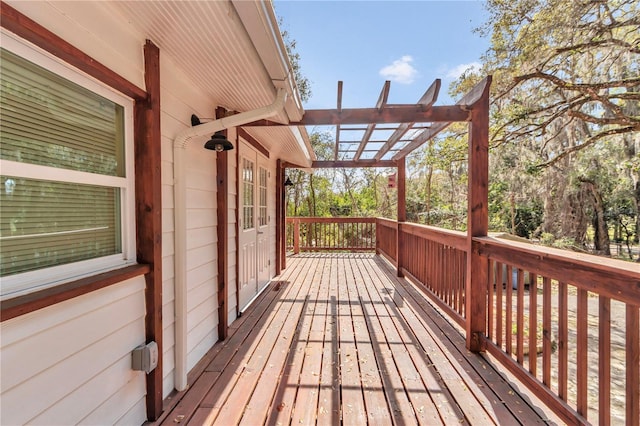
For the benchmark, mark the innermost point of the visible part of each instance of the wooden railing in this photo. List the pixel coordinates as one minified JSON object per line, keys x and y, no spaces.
{"x":579,"y":314}
{"x":331,"y":234}
{"x":435,"y":258}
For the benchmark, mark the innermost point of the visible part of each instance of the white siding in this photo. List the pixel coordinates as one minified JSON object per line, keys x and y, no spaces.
{"x":63,"y":363}
{"x":71,"y":362}
{"x":180,"y":99}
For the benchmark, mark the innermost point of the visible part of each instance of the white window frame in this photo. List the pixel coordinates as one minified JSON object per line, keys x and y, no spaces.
{"x":27,"y":282}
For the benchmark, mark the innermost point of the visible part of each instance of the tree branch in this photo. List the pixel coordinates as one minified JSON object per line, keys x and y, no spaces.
{"x":590,"y":141}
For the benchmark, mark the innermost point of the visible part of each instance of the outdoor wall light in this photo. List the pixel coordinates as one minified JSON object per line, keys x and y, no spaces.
{"x":218,"y":141}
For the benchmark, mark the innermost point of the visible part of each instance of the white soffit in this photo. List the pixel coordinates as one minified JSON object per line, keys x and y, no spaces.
{"x":207,"y":41}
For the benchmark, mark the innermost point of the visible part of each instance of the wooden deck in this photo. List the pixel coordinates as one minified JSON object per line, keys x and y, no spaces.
{"x":337,"y":338}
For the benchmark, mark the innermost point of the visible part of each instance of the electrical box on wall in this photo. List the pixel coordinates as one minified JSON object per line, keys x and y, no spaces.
{"x":145,"y":357}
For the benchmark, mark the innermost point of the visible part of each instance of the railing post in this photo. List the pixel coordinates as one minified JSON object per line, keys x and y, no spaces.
{"x":402,"y":211}
{"x":477,"y":223}
{"x":296,"y":236}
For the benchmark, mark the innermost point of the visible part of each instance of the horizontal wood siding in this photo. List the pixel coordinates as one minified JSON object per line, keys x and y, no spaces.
{"x":180,"y":99}
{"x":71,"y":362}
{"x":64,"y":364}
{"x":202,"y":254}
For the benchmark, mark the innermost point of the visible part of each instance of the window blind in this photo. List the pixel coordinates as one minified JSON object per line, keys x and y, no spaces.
{"x":50,"y":121}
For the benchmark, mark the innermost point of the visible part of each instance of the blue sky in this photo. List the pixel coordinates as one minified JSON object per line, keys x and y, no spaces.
{"x":364,"y":43}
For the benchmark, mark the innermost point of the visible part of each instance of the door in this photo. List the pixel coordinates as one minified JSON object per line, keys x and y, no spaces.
{"x":253,"y":255}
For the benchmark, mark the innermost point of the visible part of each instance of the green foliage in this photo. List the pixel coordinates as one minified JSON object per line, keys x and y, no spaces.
{"x":303,"y":83}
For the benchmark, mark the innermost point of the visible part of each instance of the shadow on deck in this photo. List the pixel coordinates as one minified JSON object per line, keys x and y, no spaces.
{"x":338,"y":338}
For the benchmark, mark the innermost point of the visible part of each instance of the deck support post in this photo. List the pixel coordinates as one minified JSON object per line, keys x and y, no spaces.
{"x":149,"y":215}
{"x":222,"y":187}
{"x":281,"y":230}
{"x":477,"y":223}
{"x":402,"y":211}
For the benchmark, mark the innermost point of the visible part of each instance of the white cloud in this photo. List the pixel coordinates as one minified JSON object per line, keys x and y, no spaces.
{"x":400,"y":71}
{"x":455,"y":72}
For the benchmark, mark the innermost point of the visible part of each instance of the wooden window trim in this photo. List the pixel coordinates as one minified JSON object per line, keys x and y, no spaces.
{"x":36,"y":300}
{"x":35,"y":33}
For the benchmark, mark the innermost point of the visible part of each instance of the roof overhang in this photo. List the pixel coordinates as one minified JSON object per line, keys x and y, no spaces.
{"x":232,"y":51}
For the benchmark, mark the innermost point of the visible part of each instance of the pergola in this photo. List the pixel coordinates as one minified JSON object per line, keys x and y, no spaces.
{"x":412,"y":125}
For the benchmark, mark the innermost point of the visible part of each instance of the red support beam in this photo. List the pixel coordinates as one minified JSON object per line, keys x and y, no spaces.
{"x":477,"y":220}
{"x":148,"y":215}
{"x":222,"y":203}
{"x":402,"y":211}
{"x":280,"y":228}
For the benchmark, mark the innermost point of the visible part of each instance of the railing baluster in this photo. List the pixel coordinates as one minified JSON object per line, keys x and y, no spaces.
{"x":633,"y":365}
{"x":604,"y":361}
{"x":582,"y":344}
{"x":499,"y":310}
{"x":533,"y":324}
{"x":490,"y":302}
{"x":547,"y":333}
{"x":509,"y":311}
{"x":520,"y":318}
{"x":563,"y":338}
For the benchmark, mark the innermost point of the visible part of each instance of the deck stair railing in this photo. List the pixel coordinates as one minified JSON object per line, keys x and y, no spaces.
{"x":566,"y":324}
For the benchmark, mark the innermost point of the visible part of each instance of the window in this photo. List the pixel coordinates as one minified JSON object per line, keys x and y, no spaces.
{"x":65,"y":186}
{"x":262,"y":216}
{"x":248,"y":194}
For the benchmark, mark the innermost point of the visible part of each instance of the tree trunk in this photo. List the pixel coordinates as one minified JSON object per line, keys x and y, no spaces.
{"x":601,"y":234}
{"x":428,"y":197}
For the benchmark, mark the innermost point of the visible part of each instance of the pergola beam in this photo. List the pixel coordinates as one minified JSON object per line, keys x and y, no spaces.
{"x":351,"y":164}
{"x":382,"y":101}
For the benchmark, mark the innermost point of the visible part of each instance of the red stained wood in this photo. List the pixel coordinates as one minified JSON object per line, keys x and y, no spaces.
{"x":499,"y":308}
{"x":253,"y":142}
{"x":581,"y":270}
{"x":34,"y":301}
{"x":546,"y":332}
{"x":29,"y":30}
{"x":402,"y":213}
{"x":509,"y":311}
{"x":345,"y":340}
{"x":533,"y":325}
{"x":382,"y":100}
{"x":633,"y":365}
{"x":563,"y":340}
{"x":520,"y":318}
{"x":388,"y":114}
{"x":222,"y":212}
{"x":477,"y":215}
{"x":281,"y":227}
{"x":426,"y":101}
{"x":582,"y":343}
{"x":148,"y":190}
{"x":604,"y":361}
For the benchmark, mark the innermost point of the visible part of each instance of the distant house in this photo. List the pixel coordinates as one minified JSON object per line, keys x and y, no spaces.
{"x":118,"y":228}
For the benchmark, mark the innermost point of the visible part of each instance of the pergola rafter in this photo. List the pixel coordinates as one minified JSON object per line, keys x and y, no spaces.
{"x":382,"y":101}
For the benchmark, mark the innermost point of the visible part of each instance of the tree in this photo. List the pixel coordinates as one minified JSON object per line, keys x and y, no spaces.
{"x":566,"y":86}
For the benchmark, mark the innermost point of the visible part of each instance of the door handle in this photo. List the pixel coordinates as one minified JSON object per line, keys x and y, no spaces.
{"x":260,"y":232}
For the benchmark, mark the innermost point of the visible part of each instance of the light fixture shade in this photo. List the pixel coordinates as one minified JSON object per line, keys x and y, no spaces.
{"x":288,"y":182}
{"x":218,"y":142}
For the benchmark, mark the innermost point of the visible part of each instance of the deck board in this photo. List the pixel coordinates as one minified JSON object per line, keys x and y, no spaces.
{"x":338,"y":338}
